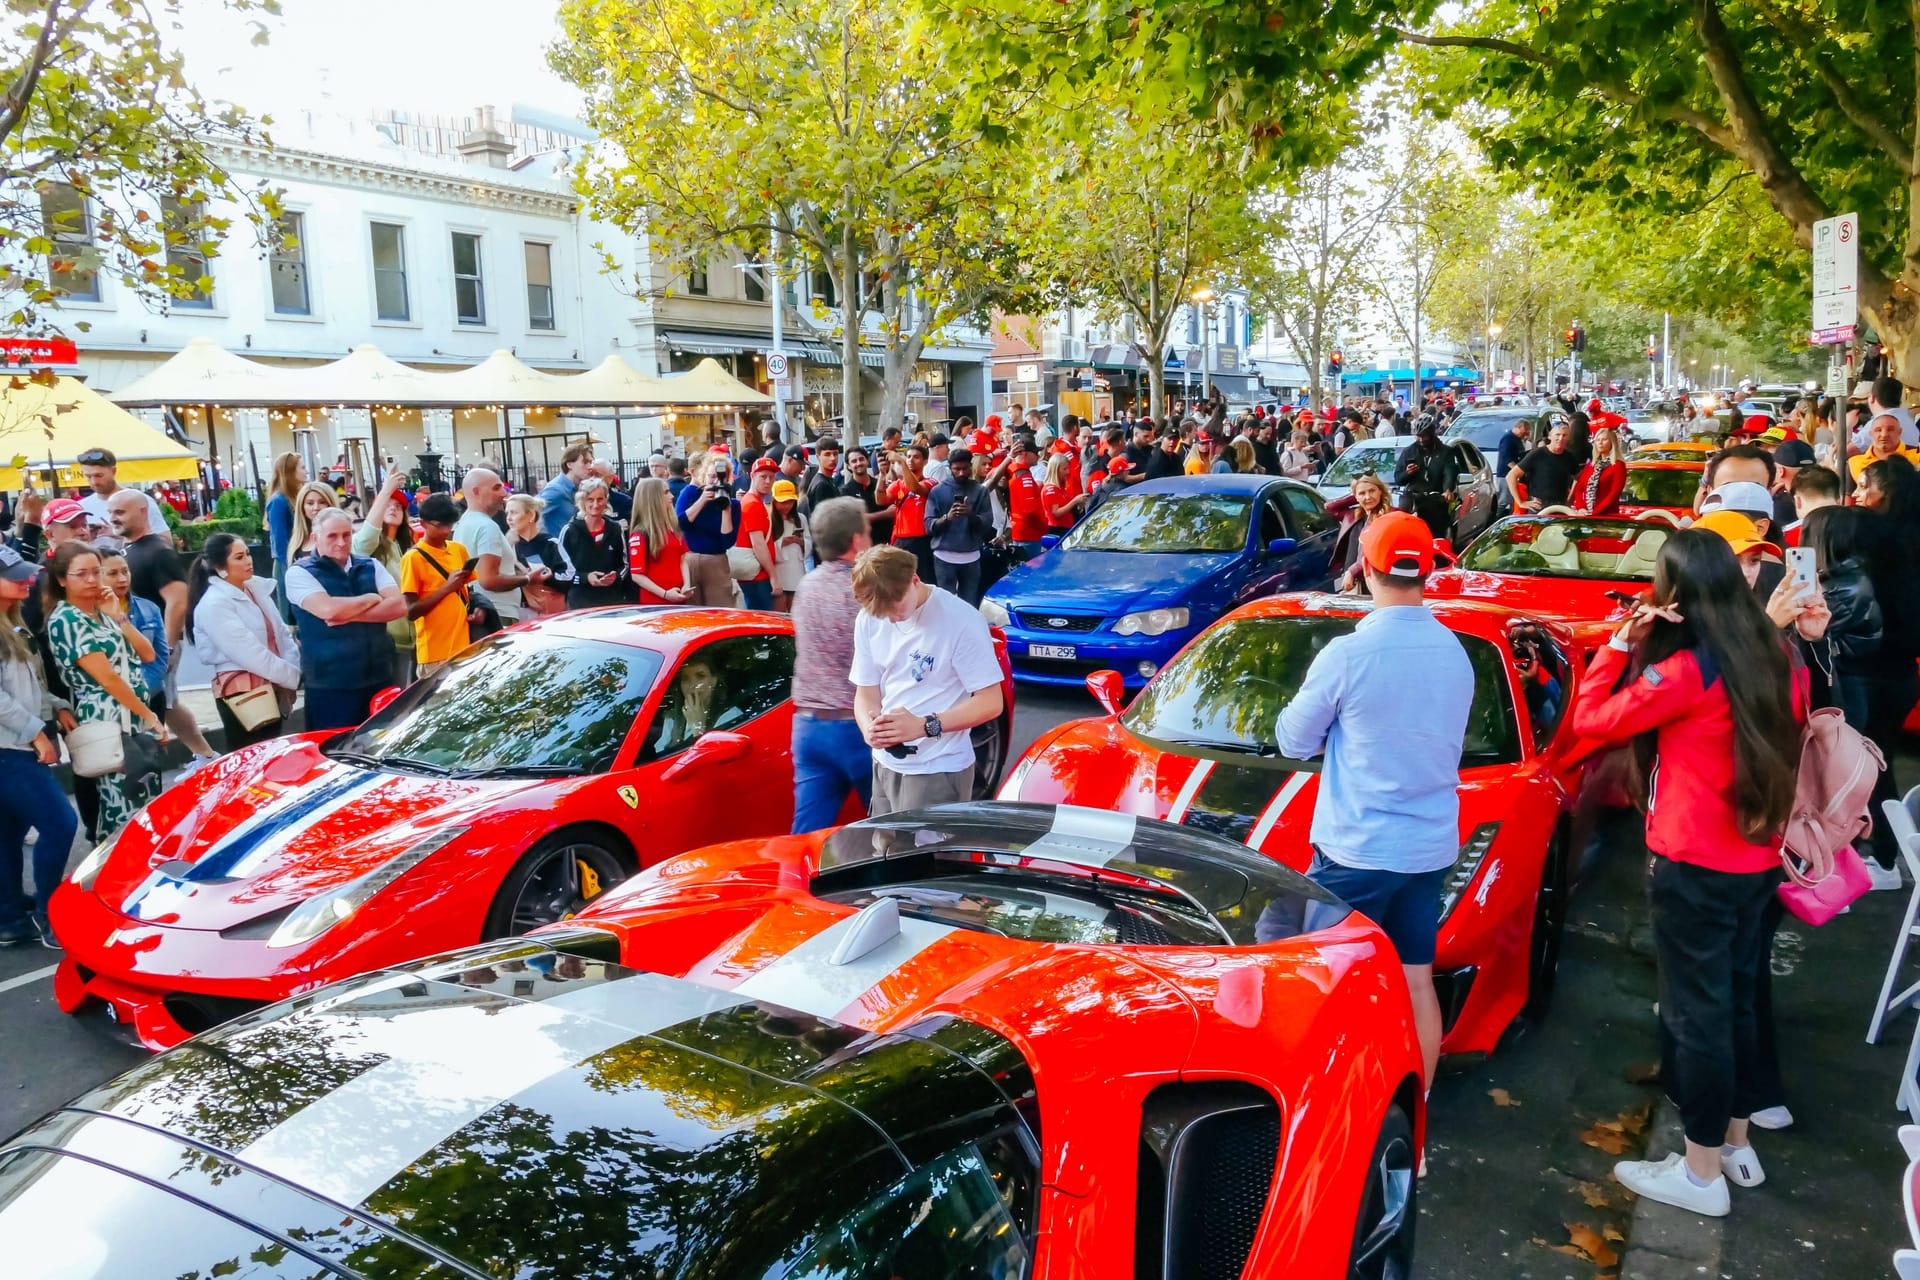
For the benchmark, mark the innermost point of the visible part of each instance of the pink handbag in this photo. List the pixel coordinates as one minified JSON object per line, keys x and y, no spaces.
{"x":1818,"y":901}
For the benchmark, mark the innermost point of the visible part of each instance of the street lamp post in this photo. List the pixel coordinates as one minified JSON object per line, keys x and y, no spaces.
{"x":1203,"y":295}
{"x":1494,"y":331}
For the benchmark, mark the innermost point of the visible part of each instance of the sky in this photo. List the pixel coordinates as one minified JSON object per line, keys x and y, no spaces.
{"x":438,"y":56}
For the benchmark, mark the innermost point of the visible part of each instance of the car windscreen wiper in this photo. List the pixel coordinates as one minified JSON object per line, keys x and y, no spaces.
{"x":416,"y":766}
{"x":522,"y":771}
{"x":1265,"y":750}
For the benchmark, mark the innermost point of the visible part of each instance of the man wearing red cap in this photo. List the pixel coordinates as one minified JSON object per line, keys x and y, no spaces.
{"x":1388,"y":706}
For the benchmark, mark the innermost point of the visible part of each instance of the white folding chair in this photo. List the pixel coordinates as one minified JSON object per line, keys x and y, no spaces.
{"x":1903,"y":820}
{"x":1906,"y":1262}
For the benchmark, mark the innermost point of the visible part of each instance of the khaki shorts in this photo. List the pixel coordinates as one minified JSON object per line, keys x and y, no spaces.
{"x":896,"y":792}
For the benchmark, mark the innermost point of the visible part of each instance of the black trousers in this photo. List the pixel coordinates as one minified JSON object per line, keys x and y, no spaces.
{"x":1710,"y":933}
{"x":1888,"y":698}
{"x":922,"y":547}
{"x":961,"y":579}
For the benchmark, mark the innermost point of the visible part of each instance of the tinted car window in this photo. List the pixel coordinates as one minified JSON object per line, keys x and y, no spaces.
{"x":1228,"y":688}
{"x":1661,"y":486}
{"x":1364,"y":459}
{"x":1309,"y":512}
{"x":514,"y":702}
{"x":1485,"y":429}
{"x":945,"y":1220}
{"x":1165,"y":522}
{"x":722,"y":685}
{"x":65,"y":1217}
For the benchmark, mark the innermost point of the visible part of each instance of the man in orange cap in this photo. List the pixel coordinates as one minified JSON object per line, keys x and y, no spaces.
{"x":1388,"y":706}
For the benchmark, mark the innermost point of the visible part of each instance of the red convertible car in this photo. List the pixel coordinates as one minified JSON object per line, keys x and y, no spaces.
{"x":1197,"y":747}
{"x":996,"y":1041}
{"x":533,"y":772}
{"x":1566,"y":568}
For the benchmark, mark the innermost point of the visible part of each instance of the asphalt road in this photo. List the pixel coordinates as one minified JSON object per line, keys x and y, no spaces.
{"x":1516,"y":1187}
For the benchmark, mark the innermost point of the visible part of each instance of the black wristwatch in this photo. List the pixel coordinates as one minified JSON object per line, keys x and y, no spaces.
{"x":933,"y":726}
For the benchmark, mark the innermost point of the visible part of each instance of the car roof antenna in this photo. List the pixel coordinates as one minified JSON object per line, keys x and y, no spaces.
{"x":875,"y":926}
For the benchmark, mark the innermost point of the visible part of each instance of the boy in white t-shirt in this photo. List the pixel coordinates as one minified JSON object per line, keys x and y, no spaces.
{"x":924,"y":673}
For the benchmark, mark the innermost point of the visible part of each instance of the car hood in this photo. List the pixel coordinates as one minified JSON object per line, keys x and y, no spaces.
{"x":269,"y":827}
{"x":1106,"y":581}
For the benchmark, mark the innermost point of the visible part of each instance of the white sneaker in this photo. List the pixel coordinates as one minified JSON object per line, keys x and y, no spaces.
{"x":1667,"y":1182}
{"x":1881,"y":877}
{"x":1771,"y":1118}
{"x":1741,"y":1166}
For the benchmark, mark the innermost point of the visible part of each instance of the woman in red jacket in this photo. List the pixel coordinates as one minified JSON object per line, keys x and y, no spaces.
{"x":1712,"y":708}
{"x":1596,"y":491}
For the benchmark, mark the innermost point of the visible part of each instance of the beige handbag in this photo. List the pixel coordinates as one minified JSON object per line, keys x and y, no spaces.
{"x":97,"y":748}
{"x":252,"y":708}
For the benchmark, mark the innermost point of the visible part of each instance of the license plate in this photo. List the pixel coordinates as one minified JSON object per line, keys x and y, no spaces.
{"x":1066,"y":651}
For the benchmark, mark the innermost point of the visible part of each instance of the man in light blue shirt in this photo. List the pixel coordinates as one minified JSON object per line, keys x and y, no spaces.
{"x":557,"y":507}
{"x":1388,"y":705}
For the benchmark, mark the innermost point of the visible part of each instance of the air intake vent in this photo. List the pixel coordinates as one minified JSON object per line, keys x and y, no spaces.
{"x":1208,"y":1153}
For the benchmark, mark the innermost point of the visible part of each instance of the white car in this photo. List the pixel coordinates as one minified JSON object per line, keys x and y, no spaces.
{"x":1475,"y":484}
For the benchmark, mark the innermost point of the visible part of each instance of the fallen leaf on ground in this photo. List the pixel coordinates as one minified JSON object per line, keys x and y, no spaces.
{"x":1613,"y":1233}
{"x":1585,"y":1242}
{"x":1501,"y":1098}
{"x":1615,"y":1136}
{"x":1596,"y":1196}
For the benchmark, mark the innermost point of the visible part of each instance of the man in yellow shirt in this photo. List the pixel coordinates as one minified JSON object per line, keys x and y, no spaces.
{"x":1883,"y":441}
{"x":434,"y":577}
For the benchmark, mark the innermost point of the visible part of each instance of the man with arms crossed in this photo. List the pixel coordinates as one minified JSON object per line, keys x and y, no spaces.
{"x":924,"y":673}
{"x":1388,"y":705}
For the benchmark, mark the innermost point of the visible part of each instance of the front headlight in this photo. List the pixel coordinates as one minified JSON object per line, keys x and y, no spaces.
{"x":1467,"y":866}
{"x":89,"y":869}
{"x":323,"y":911}
{"x":1153,"y":622}
{"x":995,"y":614}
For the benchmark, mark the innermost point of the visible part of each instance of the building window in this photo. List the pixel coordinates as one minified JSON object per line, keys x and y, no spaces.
{"x":64,"y":217}
{"x":469,"y":293}
{"x":390,"y":272}
{"x":185,"y":257}
{"x":539,"y":286}
{"x":821,"y":286}
{"x":752,"y":282}
{"x":1193,"y":326}
{"x":697,"y":277}
{"x":288,"y":266}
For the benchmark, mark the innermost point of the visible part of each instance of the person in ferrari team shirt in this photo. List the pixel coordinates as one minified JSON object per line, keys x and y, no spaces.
{"x":1388,"y":706}
{"x":907,"y":491}
{"x":1057,"y":498}
{"x":1026,"y":512}
{"x":924,"y":674}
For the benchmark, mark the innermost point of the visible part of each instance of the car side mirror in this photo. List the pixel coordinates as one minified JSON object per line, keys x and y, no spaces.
{"x":1281,"y":546}
{"x":1048,"y":541}
{"x":383,"y":699}
{"x":1109,"y":689}
{"x":716,"y":746}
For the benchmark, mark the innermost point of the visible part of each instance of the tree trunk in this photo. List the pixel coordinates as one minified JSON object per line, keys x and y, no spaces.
{"x":850,"y":317}
{"x":1413,"y":402}
{"x":1155,"y":361}
{"x":1897,"y":321}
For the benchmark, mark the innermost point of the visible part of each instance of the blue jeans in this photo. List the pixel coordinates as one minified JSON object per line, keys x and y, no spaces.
{"x":31,"y":799}
{"x":758,"y":595}
{"x":830,"y":758}
{"x":961,"y":579}
{"x":338,"y":708}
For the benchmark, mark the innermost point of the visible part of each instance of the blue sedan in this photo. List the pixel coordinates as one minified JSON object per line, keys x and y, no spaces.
{"x":1153,"y":567}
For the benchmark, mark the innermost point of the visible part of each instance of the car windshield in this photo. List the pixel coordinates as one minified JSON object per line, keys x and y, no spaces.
{"x":1609,"y":550}
{"x":1485,"y":429}
{"x":1226,"y":691}
{"x":1165,"y":522}
{"x":1363,"y":459}
{"x":1667,"y":453}
{"x":1661,"y":486}
{"x":516,"y":703}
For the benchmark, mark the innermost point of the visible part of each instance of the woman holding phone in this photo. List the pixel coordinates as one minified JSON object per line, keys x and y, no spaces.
{"x":709,"y":516}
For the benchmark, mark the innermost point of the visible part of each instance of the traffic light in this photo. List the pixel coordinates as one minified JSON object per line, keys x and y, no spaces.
{"x":1579,"y":338}
{"x":1335,"y":363}
{"x":1572,"y":336}
{"x":1653,"y":353}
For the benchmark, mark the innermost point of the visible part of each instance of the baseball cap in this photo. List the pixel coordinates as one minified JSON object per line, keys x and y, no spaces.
{"x":939,"y":438}
{"x":1773,"y":435}
{"x":1398,"y":545}
{"x":783,"y":490}
{"x":982,"y":442}
{"x":1025,"y":444}
{"x":62,"y":511}
{"x":1116,"y":466}
{"x":1756,"y":422}
{"x":765,"y":464}
{"x":1793,"y":453}
{"x":993,"y":423}
{"x":1739,"y":495}
{"x":13,"y":568}
{"x":1740,"y":533}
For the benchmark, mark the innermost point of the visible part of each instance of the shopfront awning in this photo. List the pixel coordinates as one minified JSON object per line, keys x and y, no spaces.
{"x":46,"y":428}
{"x":715,"y":344}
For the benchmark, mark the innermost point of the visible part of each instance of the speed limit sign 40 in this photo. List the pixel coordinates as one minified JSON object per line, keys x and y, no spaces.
{"x":776,"y":364}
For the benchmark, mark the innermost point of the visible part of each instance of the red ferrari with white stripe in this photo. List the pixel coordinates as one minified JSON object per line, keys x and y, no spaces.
{"x":1197,"y":747}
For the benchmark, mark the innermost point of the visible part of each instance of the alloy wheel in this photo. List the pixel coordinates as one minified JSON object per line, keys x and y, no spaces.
{"x":564,"y":880}
{"x":1383,"y":1247}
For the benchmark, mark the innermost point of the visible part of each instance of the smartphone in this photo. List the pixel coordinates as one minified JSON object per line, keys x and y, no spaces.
{"x":1624,"y":600}
{"x":1803,"y":566}
{"x":470,"y":565}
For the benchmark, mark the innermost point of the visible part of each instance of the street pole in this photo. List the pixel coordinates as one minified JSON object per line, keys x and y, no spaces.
{"x":1206,"y":351}
{"x":1666,"y":349}
{"x":776,"y":286}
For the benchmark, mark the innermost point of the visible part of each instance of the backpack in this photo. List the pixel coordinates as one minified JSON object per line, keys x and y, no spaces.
{"x":1832,"y":795}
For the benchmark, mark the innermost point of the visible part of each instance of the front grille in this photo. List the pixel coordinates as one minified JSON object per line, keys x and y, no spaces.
{"x":1065,"y":623}
{"x":1061,"y":667}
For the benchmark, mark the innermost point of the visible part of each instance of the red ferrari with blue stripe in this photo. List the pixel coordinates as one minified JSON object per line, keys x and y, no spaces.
{"x":1197,"y":747}
{"x":510,"y":788}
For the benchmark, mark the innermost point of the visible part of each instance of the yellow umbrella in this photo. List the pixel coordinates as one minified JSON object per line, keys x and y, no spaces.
{"x":46,"y":427}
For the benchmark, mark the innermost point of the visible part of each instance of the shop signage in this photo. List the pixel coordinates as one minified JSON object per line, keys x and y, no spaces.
{"x":39,"y":351}
{"x":1026,"y":373}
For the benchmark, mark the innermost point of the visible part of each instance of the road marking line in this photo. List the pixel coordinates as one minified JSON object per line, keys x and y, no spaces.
{"x":25,"y":978}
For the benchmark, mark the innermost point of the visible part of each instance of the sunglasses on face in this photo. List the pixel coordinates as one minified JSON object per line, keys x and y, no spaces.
{"x":93,"y":458}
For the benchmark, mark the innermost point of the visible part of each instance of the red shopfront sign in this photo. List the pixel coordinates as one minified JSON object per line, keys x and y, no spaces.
{"x":30,"y":351}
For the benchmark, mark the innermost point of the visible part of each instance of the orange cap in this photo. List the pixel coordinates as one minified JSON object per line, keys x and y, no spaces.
{"x":1742,"y":534}
{"x":1398,"y":545}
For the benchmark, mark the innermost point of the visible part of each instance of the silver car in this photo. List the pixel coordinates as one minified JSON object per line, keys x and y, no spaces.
{"x":1474,"y":485}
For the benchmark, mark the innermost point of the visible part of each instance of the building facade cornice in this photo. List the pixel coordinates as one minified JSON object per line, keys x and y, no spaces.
{"x":295,"y":164}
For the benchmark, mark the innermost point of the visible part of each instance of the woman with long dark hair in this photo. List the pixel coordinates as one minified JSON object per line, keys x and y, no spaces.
{"x":1713,"y":710}
{"x":238,"y":633}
